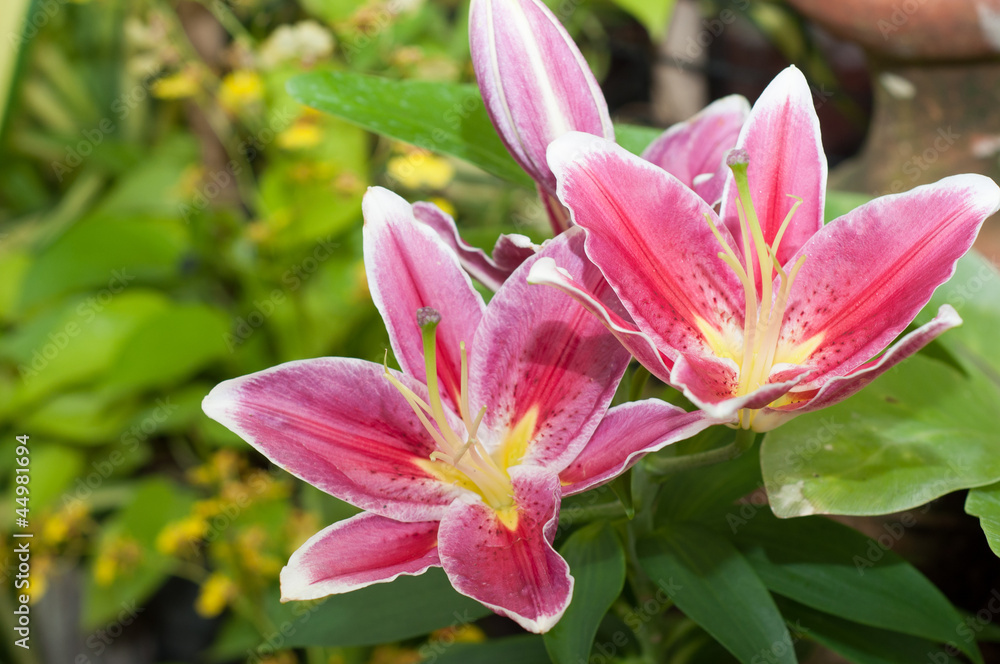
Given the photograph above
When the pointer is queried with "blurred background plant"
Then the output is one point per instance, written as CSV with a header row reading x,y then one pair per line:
x,y
170,217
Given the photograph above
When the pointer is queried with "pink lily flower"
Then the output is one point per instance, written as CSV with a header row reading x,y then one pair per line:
x,y
537,86
460,460
762,313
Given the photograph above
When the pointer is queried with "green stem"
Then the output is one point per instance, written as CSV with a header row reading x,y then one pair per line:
x,y
638,382
668,466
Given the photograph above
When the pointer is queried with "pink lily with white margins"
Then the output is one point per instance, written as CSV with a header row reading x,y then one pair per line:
x,y
762,313
537,86
460,460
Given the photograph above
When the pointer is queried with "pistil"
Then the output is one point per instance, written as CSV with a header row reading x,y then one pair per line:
x,y
764,313
465,454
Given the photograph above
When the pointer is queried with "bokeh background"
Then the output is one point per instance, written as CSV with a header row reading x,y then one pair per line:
x,y
170,218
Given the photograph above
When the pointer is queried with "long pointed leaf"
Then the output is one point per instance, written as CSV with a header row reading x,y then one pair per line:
x,y
714,585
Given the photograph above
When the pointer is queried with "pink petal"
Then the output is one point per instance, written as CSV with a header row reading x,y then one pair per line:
x,y
649,235
709,383
340,425
868,273
356,553
410,267
509,252
534,80
539,352
694,151
515,572
546,272
786,157
840,387
626,434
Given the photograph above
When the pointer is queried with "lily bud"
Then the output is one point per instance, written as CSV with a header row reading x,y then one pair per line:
x,y
534,81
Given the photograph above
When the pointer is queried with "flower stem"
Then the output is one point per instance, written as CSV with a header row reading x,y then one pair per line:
x,y
668,466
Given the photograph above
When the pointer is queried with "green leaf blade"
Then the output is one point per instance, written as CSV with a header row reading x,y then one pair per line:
x,y
442,117
714,585
597,562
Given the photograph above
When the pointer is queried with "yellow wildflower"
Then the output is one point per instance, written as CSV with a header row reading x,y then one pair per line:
x,y
459,634
445,205
120,554
300,136
215,594
394,655
180,85
421,169
183,534
240,90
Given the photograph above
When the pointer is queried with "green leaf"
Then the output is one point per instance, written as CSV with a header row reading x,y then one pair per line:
x,y
409,606
169,347
984,502
918,432
860,644
974,292
835,569
839,203
526,649
700,493
597,561
714,585
653,14
635,138
443,117
108,255
77,342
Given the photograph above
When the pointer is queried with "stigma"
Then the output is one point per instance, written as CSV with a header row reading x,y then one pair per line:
x,y
765,309
459,456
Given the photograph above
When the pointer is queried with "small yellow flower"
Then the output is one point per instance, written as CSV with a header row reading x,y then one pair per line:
x,y
421,169
68,522
118,556
240,90
445,205
459,634
394,655
249,545
181,535
215,594
300,136
180,85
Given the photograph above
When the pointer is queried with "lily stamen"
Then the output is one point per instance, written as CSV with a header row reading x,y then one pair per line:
x,y
764,312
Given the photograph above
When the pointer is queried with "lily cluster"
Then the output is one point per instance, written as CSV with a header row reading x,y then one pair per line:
x,y
706,259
